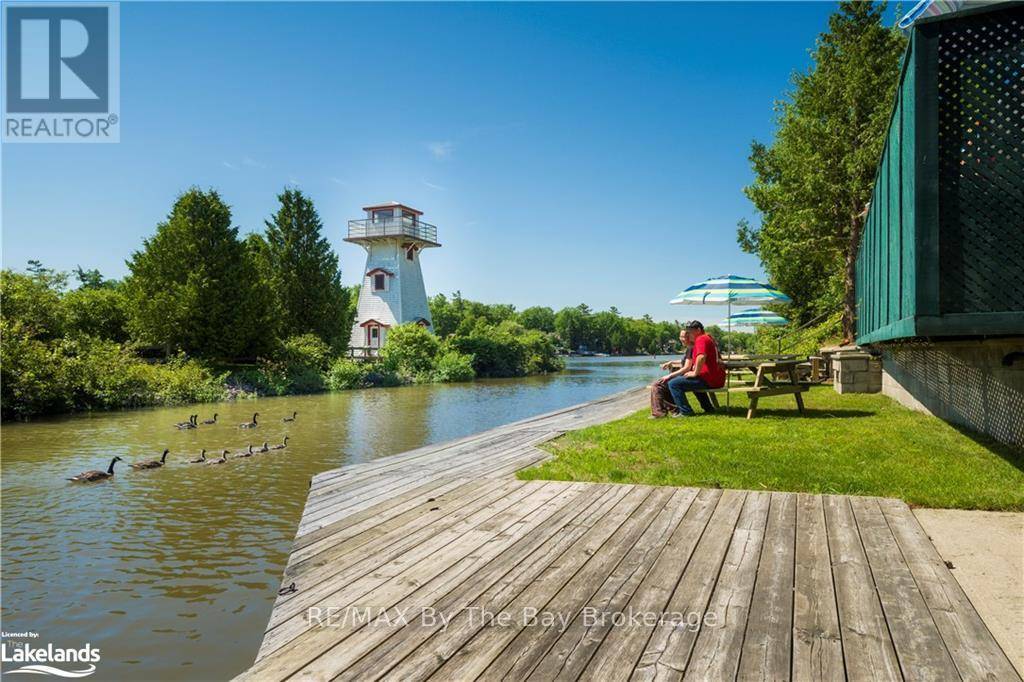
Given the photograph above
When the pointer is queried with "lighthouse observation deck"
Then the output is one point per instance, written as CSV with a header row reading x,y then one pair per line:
x,y
392,226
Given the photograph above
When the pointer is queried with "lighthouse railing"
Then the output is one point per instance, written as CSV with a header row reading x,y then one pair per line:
x,y
392,227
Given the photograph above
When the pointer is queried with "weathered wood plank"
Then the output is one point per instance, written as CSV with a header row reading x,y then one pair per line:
x,y
768,643
399,577
473,658
620,646
817,643
383,541
374,650
524,652
408,514
502,536
716,654
311,543
867,648
290,620
668,651
974,650
312,581
919,647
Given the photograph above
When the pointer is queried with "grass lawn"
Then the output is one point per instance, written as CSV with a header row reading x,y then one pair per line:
x,y
844,444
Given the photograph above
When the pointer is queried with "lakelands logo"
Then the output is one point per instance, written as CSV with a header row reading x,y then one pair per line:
x,y
39,660
61,68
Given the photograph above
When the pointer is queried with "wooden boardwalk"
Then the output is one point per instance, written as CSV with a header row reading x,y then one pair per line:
x,y
437,563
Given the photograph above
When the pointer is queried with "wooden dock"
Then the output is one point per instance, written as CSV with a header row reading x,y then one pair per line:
x,y
437,563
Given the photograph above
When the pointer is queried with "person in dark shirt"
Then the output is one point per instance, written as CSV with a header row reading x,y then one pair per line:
x,y
661,399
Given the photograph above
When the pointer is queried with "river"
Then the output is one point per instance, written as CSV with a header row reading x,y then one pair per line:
x,y
172,572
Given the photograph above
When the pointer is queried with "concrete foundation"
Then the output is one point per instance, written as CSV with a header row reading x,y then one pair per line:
x,y
978,384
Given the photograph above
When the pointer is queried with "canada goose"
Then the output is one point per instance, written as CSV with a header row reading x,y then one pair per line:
x,y
153,463
223,458
200,459
93,475
264,448
211,421
190,424
291,418
252,424
282,446
245,453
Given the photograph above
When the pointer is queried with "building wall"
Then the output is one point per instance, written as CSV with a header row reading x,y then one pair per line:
x,y
414,294
405,299
962,382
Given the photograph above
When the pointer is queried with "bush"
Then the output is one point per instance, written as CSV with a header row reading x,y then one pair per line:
x,y
187,381
87,373
410,350
451,365
32,380
345,374
541,354
307,351
380,375
274,377
101,313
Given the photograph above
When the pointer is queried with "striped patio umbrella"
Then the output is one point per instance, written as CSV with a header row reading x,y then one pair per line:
x,y
726,290
755,317
729,289
930,8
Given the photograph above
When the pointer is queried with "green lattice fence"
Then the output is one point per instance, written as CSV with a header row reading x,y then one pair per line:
x,y
943,246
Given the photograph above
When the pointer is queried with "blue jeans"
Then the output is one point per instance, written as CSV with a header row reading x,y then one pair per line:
x,y
678,386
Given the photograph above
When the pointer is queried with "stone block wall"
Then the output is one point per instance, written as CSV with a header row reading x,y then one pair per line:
x,y
978,384
856,371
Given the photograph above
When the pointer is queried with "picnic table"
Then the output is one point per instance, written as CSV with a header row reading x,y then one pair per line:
x,y
773,375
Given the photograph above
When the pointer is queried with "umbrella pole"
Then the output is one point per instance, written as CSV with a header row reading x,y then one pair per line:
x,y
728,325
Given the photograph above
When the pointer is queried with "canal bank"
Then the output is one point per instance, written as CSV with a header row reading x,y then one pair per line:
x,y
174,571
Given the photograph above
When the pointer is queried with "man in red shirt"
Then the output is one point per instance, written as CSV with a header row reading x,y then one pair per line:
x,y
706,372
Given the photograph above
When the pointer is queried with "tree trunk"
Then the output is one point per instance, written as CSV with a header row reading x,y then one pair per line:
x,y
850,279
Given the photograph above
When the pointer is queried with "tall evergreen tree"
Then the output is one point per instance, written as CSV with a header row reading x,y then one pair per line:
x,y
812,183
194,288
303,272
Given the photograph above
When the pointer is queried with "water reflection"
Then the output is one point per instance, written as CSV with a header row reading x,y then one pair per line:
x,y
171,572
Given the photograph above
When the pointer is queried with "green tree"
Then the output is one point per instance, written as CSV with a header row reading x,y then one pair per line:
x,y
193,286
445,317
93,279
97,311
302,271
33,301
813,181
573,326
538,317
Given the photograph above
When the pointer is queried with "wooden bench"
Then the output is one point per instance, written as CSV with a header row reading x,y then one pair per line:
x,y
711,392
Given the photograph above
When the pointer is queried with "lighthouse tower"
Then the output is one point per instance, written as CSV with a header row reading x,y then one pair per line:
x,y
392,291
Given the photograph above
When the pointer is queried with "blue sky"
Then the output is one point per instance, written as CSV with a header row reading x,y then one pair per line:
x,y
567,152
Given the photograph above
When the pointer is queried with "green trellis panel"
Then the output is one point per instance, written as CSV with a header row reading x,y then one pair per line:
x,y
942,251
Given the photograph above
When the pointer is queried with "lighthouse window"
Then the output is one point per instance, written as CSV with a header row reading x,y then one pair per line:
x,y
410,253
380,282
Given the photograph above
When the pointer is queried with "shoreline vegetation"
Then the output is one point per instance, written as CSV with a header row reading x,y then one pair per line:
x,y
206,316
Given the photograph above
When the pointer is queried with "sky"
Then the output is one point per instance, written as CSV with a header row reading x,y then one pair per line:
x,y
568,153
